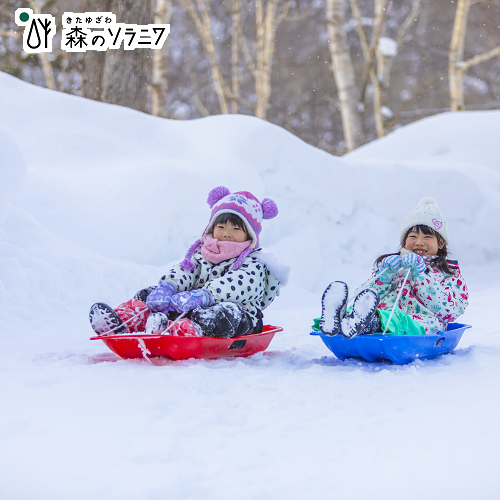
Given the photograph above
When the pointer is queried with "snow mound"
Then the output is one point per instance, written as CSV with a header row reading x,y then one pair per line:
x,y
112,197
12,172
465,138
121,185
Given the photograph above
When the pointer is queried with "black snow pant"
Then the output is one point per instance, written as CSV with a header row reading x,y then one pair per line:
x,y
224,320
374,325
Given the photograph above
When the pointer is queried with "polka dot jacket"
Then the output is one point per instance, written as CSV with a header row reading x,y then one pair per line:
x,y
433,298
252,286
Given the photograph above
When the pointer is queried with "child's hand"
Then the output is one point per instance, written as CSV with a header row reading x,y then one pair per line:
x,y
159,299
414,262
392,261
388,268
186,301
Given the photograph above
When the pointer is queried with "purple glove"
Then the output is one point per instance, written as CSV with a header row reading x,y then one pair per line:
x,y
413,262
159,299
186,301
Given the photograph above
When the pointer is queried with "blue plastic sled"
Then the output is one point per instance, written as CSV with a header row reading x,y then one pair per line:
x,y
400,349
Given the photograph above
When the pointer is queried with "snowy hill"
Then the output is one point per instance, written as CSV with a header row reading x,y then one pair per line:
x,y
96,201
115,182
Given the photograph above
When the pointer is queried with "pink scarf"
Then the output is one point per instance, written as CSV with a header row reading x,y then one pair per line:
x,y
216,251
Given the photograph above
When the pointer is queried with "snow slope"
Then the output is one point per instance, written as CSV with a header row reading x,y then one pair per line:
x,y
96,201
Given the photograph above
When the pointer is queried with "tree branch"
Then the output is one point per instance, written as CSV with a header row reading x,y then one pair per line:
x,y
464,66
204,29
379,22
13,34
246,52
409,22
359,28
394,120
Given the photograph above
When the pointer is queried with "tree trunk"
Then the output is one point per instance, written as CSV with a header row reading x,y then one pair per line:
x,y
159,86
204,28
456,56
235,21
46,66
259,51
379,20
343,73
385,53
266,25
377,105
127,73
94,61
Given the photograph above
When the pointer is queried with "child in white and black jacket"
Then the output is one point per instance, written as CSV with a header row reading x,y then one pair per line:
x,y
221,286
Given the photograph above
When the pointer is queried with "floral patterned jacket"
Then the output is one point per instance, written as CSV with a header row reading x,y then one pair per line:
x,y
433,298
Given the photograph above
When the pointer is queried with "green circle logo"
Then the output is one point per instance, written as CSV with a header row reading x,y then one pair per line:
x,y
24,16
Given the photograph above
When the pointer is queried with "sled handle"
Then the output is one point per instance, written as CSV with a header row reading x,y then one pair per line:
x,y
238,344
439,342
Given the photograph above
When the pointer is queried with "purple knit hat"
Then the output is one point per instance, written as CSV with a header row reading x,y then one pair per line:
x,y
243,204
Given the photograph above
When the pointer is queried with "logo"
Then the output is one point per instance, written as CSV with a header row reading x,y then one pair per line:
x,y
437,224
87,31
39,29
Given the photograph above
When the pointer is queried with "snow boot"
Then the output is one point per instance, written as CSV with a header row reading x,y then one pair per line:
x,y
156,323
142,295
105,321
333,304
361,315
374,326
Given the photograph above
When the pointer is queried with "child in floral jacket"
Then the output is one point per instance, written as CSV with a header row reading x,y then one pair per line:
x,y
430,288
220,288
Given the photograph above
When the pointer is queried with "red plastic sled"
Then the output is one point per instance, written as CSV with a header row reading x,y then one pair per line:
x,y
168,346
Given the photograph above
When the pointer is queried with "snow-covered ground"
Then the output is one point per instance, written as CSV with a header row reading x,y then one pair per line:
x,y
96,201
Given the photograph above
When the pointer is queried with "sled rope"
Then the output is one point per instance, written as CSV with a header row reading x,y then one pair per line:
x,y
351,300
124,322
145,351
142,312
397,301
174,322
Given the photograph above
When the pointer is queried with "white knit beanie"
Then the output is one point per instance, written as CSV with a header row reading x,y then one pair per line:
x,y
428,213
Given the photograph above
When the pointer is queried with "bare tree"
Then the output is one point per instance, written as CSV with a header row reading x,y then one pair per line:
x,y
343,72
199,12
37,6
406,67
269,14
267,20
379,54
159,84
236,29
94,61
119,76
456,64
127,73
386,50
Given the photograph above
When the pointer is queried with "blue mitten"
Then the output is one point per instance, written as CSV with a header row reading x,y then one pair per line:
x,y
186,301
415,263
159,299
388,268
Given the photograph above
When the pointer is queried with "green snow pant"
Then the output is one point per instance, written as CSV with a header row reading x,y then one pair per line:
x,y
401,323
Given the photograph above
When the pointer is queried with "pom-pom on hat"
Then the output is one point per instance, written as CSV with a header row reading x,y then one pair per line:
x,y
243,204
428,213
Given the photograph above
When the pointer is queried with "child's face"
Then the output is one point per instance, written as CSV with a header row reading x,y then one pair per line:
x,y
229,232
422,244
